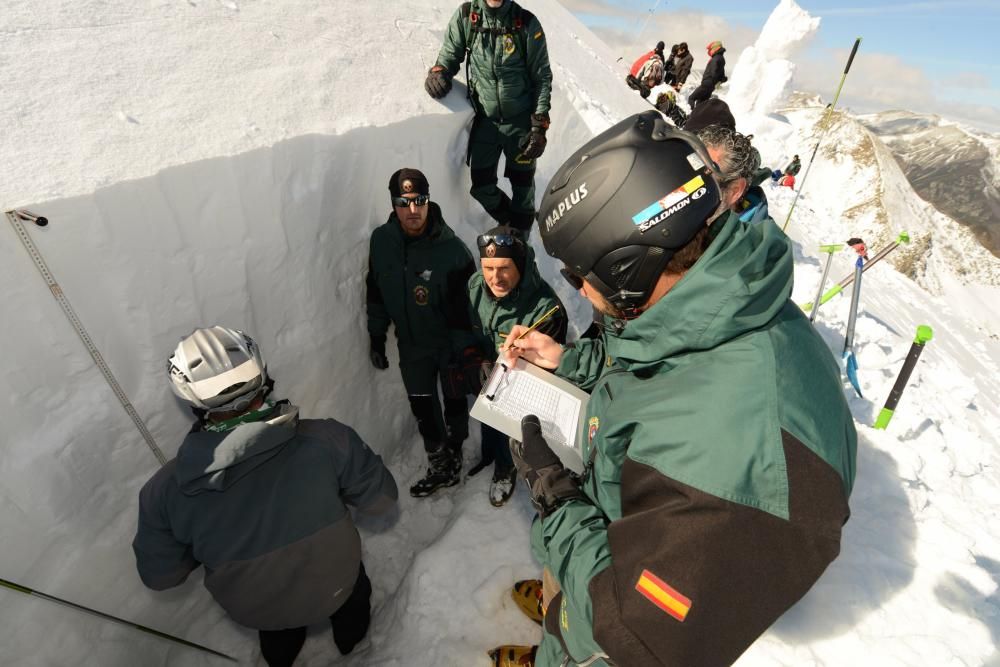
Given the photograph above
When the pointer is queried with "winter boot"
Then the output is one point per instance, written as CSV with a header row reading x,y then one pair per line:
x,y
441,472
527,593
502,486
509,655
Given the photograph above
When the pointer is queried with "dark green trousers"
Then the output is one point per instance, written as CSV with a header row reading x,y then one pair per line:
x,y
489,140
421,370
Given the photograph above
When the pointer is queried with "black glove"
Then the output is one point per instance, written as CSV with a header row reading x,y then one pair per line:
x,y
533,144
438,83
549,483
377,353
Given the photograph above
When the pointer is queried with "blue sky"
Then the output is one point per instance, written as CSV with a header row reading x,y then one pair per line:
x,y
954,44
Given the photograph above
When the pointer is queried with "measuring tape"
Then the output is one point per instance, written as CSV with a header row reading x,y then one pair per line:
x,y
60,297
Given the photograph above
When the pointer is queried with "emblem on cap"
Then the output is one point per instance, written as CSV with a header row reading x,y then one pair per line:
x,y
407,185
491,250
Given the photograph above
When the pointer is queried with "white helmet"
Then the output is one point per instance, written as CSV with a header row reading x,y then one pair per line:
x,y
218,369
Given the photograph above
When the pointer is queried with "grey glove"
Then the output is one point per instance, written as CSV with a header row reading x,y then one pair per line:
x,y
438,83
549,483
377,353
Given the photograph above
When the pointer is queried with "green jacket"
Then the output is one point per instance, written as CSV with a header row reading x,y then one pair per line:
x,y
720,455
419,286
509,75
532,298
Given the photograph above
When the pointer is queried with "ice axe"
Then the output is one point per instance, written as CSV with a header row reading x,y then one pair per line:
x,y
924,334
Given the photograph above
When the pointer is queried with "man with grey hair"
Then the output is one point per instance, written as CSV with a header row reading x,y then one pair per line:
x,y
739,161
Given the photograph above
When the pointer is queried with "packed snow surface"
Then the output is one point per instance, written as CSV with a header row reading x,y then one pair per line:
x,y
224,161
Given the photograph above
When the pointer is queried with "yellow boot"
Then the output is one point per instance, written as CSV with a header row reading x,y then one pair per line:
x,y
509,655
527,593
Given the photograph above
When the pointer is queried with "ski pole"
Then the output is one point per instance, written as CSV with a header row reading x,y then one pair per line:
x,y
645,23
100,614
829,250
924,334
848,279
826,128
850,362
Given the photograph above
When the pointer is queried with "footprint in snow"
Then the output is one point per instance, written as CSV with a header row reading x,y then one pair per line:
x,y
127,118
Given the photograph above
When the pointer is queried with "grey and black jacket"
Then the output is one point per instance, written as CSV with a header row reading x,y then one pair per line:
x,y
264,508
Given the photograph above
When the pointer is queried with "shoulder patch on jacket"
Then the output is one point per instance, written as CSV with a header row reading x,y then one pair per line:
x,y
538,35
663,595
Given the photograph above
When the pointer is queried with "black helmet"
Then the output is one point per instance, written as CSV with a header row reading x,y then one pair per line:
x,y
623,204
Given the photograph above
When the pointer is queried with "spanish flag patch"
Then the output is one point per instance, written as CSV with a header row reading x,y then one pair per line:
x,y
663,596
538,34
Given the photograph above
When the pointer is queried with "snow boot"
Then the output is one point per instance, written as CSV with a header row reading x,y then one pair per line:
x,y
502,486
509,655
442,472
527,593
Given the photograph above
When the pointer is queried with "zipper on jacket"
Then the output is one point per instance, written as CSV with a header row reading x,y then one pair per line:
x,y
588,468
406,296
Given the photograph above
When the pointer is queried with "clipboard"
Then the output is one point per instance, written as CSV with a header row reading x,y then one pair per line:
x,y
510,393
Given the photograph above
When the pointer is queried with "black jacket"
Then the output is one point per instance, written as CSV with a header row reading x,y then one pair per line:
x,y
715,70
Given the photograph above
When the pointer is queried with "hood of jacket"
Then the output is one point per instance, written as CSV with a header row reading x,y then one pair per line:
x,y
739,285
208,461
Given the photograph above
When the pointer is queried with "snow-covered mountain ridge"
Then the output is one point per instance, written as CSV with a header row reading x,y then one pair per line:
x,y
954,168
857,176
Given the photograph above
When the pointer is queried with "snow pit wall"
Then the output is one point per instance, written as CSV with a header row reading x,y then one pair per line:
x,y
273,241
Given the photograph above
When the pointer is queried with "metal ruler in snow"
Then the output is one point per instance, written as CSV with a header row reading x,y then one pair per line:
x,y
16,218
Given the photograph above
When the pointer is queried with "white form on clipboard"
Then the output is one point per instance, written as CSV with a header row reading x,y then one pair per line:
x,y
525,389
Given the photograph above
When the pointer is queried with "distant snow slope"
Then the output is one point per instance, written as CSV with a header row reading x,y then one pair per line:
x,y
225,162
955,169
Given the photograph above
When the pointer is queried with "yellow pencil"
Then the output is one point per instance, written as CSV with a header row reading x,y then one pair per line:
x,y
536,324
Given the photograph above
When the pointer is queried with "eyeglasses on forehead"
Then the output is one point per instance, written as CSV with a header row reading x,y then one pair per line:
x,y
404,202
503,239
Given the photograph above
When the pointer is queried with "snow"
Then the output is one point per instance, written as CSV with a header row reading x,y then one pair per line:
x,y
209,162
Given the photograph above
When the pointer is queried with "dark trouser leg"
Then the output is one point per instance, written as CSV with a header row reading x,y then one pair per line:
x,y
700,94
280,647
497,448
350,622
420,376
521,175
484,157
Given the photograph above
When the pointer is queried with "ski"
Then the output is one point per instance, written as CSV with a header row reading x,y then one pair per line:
x,y
924,334
848,279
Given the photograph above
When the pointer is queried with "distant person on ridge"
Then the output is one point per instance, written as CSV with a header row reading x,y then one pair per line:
x,y
794,166
715,74
668,64
259,497
505,292
647,71
510,84
417,275
681,67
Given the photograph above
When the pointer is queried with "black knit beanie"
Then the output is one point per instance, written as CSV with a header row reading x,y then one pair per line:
x,y
407,180
517,252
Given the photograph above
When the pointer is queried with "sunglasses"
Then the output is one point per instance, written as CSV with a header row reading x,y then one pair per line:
x,y
500,240
404,202
573,279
